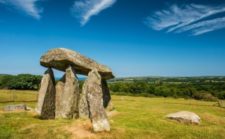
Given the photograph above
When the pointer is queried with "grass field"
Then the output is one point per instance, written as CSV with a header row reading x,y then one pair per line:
x,y
134,117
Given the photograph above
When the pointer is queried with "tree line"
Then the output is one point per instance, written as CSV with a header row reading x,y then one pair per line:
x,y
197,90
20,82
204,88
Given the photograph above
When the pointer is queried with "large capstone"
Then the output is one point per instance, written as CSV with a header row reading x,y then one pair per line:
x,y
70,95
61,58
95,102
46,96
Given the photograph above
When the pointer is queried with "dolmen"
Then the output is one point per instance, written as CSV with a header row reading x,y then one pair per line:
x,y
62,99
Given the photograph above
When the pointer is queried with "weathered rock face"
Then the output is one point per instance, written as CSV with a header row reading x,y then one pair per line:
x,y
46,96
70,96
106,93
95,102
61,58
185,117
83,104
59,92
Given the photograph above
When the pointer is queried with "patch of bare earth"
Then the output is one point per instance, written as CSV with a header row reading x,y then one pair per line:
x,y
81,129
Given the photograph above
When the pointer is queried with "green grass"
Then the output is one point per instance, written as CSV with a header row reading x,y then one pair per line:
x,y
221,103
136,118
17,95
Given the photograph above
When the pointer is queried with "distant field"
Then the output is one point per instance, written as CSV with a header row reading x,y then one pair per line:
x,y
18,96
133,118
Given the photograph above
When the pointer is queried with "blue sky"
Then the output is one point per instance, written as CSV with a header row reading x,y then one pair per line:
x,y
132,37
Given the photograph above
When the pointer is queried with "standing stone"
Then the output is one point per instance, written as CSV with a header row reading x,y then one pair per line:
x,y
46,96
70,95
95,102
59,92
106,93
83,104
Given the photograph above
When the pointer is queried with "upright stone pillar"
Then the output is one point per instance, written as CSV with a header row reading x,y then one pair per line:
x,y
70,95
59,92
106,93
83,104
95,102
46,96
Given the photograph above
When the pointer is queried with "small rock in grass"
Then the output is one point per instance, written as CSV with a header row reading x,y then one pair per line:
x,y
17,107
185,117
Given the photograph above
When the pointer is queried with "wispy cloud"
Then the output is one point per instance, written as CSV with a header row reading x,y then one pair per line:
x,y
204,26
85,9
27,6
198,19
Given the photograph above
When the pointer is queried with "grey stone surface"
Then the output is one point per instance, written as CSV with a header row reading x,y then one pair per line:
x,y
70,96
95,102
83,104
46,96
185,117
59,92
106,93
61,58
17,107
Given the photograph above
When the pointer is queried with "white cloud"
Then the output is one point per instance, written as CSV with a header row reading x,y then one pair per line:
x,y
191,17
27,6
207,26
85,9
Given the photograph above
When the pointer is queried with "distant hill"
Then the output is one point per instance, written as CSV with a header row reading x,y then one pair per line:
x,y
172,79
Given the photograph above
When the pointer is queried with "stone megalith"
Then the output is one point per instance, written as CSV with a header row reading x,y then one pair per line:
x,y
59,92
83,104
46,96
63,100
70,96
61,58
106,93
95,102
